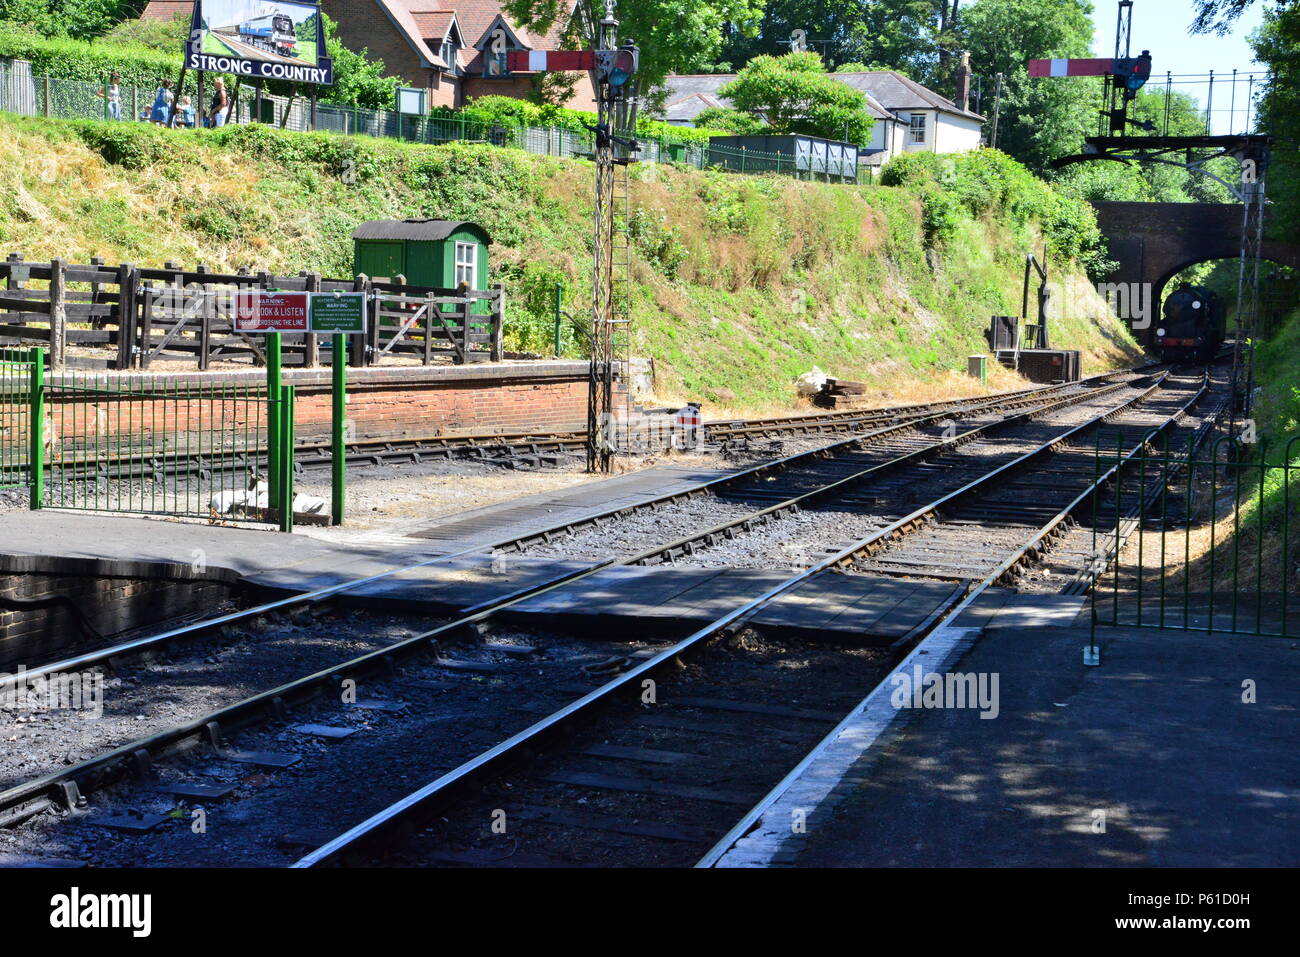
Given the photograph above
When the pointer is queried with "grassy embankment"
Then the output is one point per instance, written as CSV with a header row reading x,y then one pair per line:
x,y
741,283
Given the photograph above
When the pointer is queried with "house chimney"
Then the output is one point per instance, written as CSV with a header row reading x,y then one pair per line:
x,y
963,81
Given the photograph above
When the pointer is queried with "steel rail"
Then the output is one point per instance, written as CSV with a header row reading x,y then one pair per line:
x,y
64,785
833,421
194,629
752,817
476,769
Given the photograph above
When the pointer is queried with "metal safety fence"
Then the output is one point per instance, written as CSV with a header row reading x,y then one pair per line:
x,y
179,446
1199,539
20,409
23,92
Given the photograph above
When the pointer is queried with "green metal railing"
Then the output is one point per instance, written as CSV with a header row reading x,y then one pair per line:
x,y
22,92
1198,540
161,445
153,444
21,417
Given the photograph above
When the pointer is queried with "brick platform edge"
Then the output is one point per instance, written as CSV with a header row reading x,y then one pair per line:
x,y
46,603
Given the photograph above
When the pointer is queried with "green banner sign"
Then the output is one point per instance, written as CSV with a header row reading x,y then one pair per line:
x,y
338,312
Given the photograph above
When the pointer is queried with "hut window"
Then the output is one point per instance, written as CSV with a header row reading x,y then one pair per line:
x,y
467,264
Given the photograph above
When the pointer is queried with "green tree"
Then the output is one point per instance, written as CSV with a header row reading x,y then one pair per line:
x,y
892,34
1044,118
1277,43
727,120
79,19
357,78
796,95
675,36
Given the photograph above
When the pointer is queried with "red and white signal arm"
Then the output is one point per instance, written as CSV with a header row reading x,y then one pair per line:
x,y
1066,67
615,67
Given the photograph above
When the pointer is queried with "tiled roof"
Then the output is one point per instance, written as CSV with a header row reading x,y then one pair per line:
x,y
166,9
887,92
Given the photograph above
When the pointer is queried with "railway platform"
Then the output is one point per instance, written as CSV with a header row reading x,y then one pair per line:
x,y
1152,759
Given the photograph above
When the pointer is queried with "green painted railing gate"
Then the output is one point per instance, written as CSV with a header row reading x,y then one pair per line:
x,y
163,445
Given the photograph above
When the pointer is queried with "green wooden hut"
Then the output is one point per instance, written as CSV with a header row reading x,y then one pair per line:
x,y
429,252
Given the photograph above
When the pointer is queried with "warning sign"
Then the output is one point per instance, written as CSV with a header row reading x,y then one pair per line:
x,y
271,312
338,312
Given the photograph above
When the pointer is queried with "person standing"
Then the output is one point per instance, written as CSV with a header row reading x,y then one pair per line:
x,y
160,115
112,91
220,103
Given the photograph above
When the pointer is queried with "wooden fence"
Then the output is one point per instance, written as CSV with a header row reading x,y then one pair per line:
x,y
125,316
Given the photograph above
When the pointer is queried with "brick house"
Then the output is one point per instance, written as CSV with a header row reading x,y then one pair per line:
x,y
455,49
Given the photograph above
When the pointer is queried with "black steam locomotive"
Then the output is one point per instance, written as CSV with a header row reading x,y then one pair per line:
x,y
273,33
1191,326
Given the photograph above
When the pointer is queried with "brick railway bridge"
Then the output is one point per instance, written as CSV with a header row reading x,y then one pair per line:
x,y
1153,242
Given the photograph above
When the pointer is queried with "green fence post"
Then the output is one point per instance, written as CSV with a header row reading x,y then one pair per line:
x,y
339,465
287,396
36,431
274,416
559,315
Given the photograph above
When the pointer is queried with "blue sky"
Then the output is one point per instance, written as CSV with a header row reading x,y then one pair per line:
x,y
1161,26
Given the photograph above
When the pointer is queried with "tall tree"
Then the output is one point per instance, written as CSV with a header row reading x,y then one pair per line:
x,y
795,95
1277,43
1044,118
675,36
884,34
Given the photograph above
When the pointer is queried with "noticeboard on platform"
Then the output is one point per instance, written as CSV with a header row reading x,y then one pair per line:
x,y
325,312
260,39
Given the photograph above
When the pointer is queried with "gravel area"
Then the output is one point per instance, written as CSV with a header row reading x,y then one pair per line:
x,y
144,697
799,540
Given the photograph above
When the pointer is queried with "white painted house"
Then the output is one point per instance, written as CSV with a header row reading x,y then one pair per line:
x,y
909,117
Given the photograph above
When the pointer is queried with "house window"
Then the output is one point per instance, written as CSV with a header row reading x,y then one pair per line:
x,y
467,264
448,54
917,128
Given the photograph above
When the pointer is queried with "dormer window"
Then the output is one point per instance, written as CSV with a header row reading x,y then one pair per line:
x,y
496,43
448,52
494,53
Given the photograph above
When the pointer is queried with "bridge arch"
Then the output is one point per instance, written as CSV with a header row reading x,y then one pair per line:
x,y
1153,242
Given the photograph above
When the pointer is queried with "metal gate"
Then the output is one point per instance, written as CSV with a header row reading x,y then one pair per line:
x,y
156,445
20,394
1199,539
183,446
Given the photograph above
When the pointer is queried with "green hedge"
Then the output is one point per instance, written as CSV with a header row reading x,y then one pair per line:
x,y
509,111
78,60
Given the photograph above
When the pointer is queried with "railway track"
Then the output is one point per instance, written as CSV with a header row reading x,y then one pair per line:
x,y
509,450
807,471
564,783
802,480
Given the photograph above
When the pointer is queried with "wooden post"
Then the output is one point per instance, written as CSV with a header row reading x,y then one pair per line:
x,y
47,94
200,106
465,306
58,314
358,343
428,333
176,99
311,345
288,107
498,321
127,280
146,326
205,322
313,110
